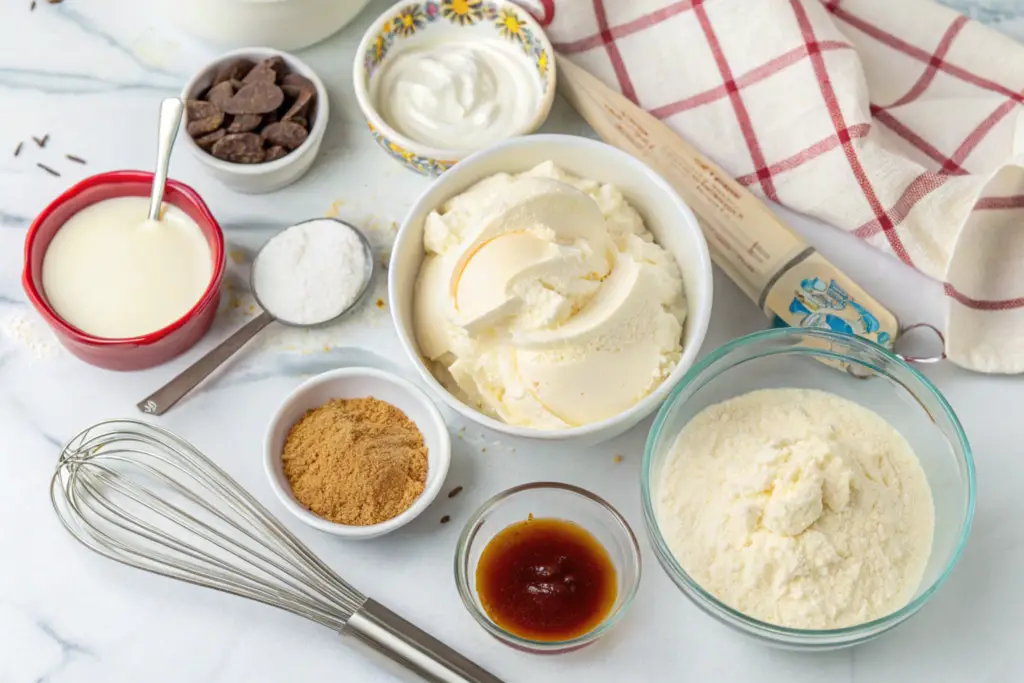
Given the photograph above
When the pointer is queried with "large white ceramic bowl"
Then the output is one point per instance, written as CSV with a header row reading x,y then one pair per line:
x,y
664,212
281,24
358,383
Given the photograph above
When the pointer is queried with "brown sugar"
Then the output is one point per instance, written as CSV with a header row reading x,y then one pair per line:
x,y
355,461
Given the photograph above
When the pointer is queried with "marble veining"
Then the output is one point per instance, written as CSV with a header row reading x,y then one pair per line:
x,y
90,73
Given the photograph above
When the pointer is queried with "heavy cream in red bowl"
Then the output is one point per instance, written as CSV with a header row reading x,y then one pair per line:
x,y
121,291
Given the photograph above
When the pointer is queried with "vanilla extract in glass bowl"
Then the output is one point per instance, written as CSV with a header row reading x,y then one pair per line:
x,y
547,567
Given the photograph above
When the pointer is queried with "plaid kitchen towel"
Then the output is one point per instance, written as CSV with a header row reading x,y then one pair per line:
x,y
898,120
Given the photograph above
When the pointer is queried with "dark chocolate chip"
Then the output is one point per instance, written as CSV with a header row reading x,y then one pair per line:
x,y
198,109
285,133
243,123
239,148
203,117
302,91
203,126
206,141
272,117
270,69
275,153
260,97
236,69
293,84
301,120
48,169
220,94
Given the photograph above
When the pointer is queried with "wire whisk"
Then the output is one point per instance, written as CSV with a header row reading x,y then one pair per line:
x,y
140,495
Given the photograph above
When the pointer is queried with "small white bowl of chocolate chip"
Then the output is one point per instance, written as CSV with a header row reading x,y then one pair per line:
x,y
255,118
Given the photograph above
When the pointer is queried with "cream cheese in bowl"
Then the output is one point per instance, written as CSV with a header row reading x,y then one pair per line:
x,y
458,94
111,273
544,300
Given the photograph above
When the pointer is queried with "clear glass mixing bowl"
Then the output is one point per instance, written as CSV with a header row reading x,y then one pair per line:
x,y
858,371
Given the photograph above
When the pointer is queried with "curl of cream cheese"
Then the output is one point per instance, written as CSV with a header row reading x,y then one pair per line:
x,y
462,95
545,302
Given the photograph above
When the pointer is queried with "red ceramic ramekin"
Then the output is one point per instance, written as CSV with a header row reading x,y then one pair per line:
x,y
133,353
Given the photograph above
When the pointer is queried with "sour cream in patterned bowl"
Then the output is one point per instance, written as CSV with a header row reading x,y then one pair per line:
x,y
440,79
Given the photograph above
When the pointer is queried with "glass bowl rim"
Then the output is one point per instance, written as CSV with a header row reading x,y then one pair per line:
x,y
669,561
469,532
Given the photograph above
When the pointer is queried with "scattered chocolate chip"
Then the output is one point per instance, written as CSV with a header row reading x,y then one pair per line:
x,y
41,141
275,153
239,148
301,90
285,133
17,150
220,94
32,7
269,70
259,97
48,169
206,141
77,160
446,519
455,491
235,70
243,123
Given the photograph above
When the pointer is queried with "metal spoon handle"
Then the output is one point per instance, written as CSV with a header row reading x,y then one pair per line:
x,y
161,400
170,119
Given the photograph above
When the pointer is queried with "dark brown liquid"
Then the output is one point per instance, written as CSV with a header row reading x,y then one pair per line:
x,y
546,580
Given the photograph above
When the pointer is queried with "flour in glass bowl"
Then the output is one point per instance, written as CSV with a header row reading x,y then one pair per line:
x,y
798,508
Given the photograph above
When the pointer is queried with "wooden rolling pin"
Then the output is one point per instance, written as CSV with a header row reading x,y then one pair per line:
x,y
774,266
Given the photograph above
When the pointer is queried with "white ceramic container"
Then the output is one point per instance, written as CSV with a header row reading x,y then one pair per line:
x,y
280,24
272,175
666,215
412,24
358,383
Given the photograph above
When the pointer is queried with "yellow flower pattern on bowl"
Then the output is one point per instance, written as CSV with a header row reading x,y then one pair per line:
x,y
423,165
414,18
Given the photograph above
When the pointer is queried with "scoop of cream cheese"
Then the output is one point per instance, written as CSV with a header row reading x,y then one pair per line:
x,y
544,301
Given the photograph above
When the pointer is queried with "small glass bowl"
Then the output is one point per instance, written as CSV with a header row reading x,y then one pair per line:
x,y
858,371
548,500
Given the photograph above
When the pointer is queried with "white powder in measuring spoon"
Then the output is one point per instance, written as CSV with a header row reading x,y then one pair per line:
x,y
311,272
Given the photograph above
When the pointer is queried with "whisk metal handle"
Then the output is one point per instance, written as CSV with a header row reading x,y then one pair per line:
x,y
388,634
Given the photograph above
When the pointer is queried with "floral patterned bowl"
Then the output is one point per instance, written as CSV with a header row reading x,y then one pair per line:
x,y
413,22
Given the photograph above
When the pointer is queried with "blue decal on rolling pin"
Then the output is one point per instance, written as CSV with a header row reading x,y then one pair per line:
x,y
829,307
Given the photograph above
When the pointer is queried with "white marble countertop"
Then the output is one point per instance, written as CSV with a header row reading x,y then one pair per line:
x,y
90,74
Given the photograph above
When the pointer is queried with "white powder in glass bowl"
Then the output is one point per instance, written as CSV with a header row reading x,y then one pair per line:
x,y
798,508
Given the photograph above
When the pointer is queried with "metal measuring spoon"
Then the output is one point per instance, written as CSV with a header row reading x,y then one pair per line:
x,y
170,120
160,401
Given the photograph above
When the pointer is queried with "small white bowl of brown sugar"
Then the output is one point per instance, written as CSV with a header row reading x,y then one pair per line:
x,y
357,452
